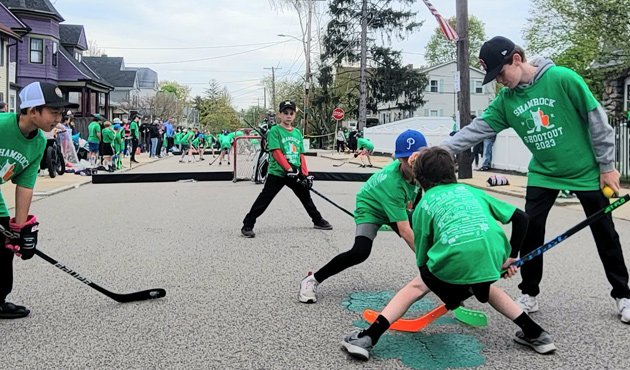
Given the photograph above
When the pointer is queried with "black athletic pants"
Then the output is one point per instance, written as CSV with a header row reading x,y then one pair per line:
x,y
273,185
134,147
170,141
538,203
6,264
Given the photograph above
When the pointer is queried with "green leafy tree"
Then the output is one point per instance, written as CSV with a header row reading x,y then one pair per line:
x,y
440,50
388,79
576,33
215,109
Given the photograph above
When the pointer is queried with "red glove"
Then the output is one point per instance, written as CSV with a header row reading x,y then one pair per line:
x,y
25,242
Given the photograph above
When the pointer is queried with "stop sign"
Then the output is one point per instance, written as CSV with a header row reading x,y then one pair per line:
x,y
338,114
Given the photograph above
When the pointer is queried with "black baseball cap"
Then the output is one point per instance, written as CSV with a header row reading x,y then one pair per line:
x,y
494,54
287,104
45,94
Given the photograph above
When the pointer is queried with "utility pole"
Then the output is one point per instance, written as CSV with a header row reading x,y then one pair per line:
x,y
265,98
463,65
307,56
273,87
362,69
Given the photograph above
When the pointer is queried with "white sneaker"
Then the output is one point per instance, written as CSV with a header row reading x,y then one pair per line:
x,y
308,289
623,305
528,303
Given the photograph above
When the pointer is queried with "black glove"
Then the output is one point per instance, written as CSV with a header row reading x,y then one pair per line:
x,y
26,242
307,182
293,175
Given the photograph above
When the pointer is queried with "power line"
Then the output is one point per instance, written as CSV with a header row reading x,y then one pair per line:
x,y
212,58
186,47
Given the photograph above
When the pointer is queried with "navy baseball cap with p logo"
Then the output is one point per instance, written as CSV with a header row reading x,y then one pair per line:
x,y
494,54
408,143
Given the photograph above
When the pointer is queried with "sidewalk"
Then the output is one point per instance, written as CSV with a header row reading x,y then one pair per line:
x,y
517,187
46,186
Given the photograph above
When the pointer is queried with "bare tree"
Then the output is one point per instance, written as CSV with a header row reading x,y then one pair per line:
x,y
93,49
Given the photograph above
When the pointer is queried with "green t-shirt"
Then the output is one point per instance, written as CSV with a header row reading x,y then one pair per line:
x,y
384,197
19,157
195,142
550,117
225,141
178,138
457,236
135,130
239,133
108,135
187,137
365,143
94,128
290,143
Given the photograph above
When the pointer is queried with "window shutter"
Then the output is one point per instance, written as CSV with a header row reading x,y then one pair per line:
x,y
441,86
426,112
441,112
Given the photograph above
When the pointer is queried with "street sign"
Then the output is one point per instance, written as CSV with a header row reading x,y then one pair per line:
x,y
338,114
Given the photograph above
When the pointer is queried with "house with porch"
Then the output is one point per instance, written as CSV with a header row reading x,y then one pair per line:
x,y
8,92
126,93
52,53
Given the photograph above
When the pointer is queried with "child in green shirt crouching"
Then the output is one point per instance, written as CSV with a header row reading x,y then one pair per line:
x,y
460,251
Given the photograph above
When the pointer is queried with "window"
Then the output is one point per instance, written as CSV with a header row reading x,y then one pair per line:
x,y
12,103
477,87
37,51
75,97
434,113
2,53
92,104
433,86
78,56
55,52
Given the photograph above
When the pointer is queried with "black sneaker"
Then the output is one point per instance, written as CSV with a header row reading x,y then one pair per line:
x,y
543,344
248,232
9,310
322,225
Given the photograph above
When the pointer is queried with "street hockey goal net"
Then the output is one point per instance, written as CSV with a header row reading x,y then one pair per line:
x,y
246,155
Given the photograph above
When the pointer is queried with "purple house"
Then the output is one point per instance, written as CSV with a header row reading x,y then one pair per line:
x,y
52,52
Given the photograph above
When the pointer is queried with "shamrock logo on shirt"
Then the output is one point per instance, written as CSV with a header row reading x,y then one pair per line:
x,y
6,172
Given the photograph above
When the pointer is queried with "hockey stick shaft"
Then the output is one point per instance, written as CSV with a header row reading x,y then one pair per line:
x,y
587,222
409,325
122,298
333,203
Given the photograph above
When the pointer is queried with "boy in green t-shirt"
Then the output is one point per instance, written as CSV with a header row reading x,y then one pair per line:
x,y
365,148
225,142
22,146
186,142
94,140
573,148
460,251
107,149
287,166
135,137
383,200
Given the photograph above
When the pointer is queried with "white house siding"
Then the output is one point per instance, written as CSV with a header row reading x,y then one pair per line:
x,y
443,102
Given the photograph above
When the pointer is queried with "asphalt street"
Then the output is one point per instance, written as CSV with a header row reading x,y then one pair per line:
x,y
232,302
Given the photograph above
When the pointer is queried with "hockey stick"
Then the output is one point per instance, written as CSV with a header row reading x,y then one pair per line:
x,y
555,241
333,203
465,315
122,298
342,163
214,160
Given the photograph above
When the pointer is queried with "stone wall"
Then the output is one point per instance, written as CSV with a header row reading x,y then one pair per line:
x,y
612,99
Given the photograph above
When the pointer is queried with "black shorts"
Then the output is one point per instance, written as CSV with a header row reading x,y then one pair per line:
x,y
106,149
454,294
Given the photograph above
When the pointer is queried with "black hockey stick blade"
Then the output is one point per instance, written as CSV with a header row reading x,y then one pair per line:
x,y
122,298
340,164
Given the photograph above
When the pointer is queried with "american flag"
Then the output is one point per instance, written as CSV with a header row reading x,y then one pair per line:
x,y
446,28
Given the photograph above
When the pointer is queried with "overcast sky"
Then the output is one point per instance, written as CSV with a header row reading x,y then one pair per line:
x,y
233,41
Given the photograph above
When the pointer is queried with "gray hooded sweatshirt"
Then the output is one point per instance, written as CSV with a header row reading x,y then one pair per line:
x,y
602,136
